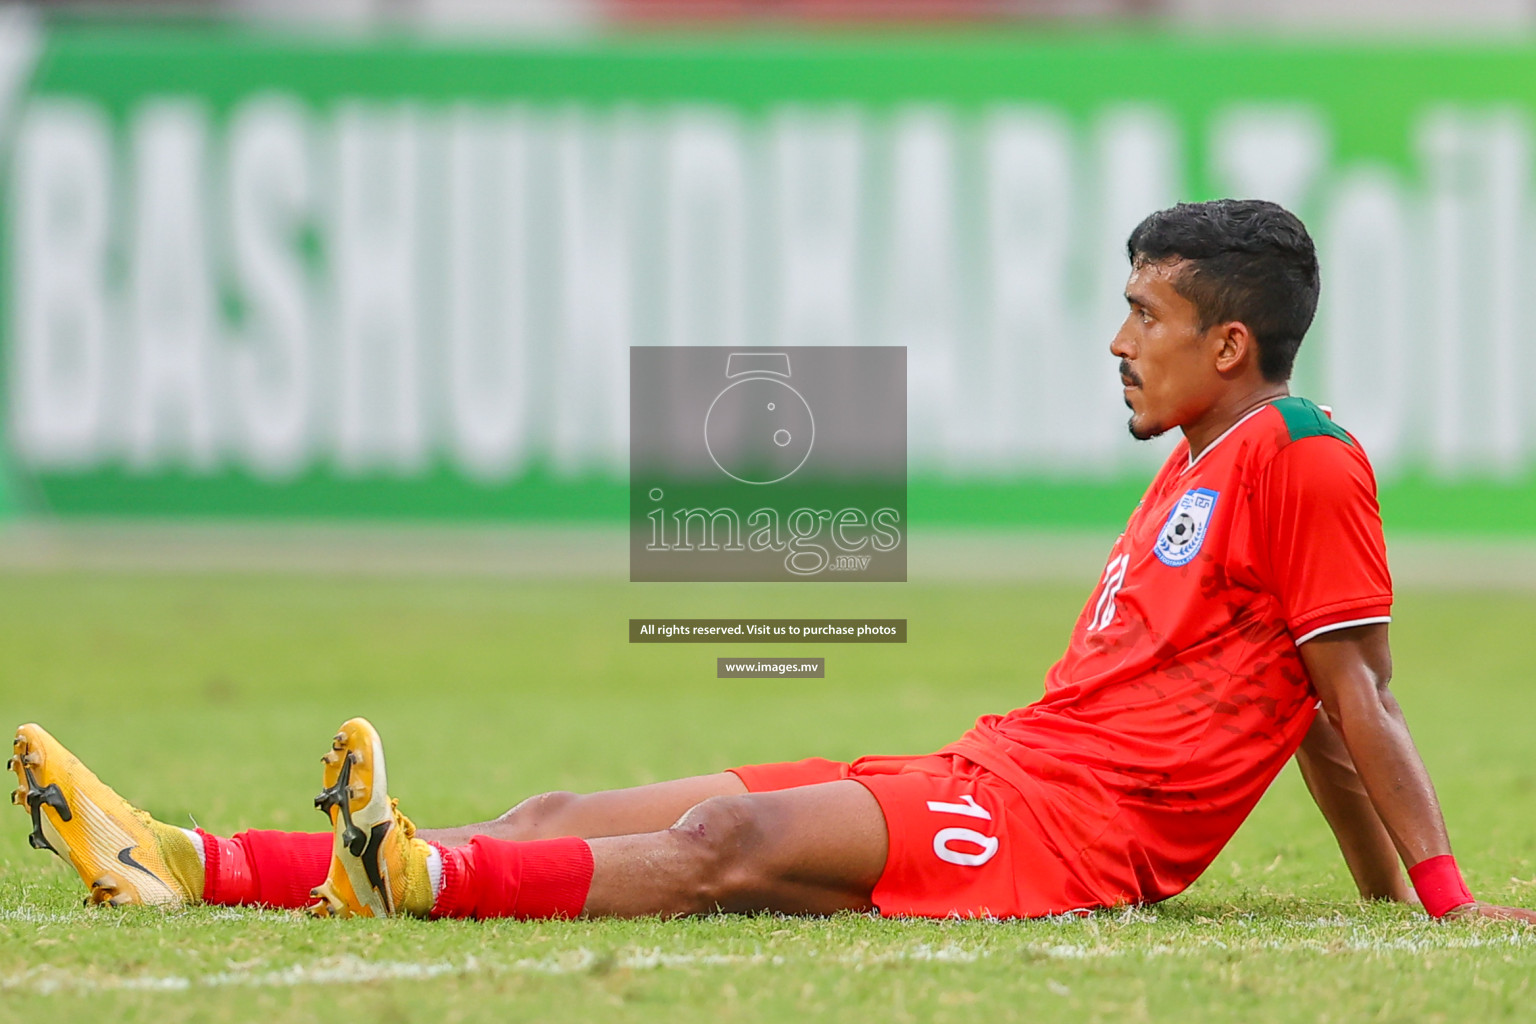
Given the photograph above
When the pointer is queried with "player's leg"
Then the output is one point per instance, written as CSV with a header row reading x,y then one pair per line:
x,y
809,850
78,817
124,855
614,812
639,809
812,849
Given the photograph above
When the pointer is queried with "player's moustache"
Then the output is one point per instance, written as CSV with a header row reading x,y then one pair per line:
x,y
1128,375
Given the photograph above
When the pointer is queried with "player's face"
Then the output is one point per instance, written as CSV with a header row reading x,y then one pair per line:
x,y
1165,358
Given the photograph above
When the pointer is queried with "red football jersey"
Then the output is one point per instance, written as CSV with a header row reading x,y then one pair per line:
x,y
1182,693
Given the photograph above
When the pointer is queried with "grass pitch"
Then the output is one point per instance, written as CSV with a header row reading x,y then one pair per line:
x,y
212,697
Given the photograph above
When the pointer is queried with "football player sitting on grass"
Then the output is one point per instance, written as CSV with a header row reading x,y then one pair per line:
x,y
1240,619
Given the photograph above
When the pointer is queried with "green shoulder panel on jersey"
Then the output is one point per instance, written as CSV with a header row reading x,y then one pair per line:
x,y
1303,419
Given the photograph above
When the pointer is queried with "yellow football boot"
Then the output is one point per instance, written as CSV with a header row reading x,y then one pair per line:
x,y
378,866
121,853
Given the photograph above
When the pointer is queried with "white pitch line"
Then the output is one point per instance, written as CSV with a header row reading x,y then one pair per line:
x,y
48,980
27,915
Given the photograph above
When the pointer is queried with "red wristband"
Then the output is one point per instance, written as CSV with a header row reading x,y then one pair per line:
x,y
1439,884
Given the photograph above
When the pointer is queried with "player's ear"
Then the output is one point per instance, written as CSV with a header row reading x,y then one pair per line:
x,y
1235,346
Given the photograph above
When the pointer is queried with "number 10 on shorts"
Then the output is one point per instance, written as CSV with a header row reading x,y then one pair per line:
x,y
952,844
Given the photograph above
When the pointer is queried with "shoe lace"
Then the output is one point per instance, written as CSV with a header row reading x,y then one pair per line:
x,y
404,824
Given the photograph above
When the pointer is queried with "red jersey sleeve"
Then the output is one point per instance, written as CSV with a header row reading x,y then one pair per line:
x,y
1327,555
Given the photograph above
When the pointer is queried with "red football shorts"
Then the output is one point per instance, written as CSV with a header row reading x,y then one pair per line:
x,y
962,841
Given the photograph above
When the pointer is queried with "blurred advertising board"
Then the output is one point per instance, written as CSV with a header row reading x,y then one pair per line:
x,y
263,274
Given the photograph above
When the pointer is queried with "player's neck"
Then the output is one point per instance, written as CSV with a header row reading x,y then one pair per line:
x,y
1227,410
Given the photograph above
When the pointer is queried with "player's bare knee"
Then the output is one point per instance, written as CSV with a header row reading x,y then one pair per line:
x,y
542,816
725,837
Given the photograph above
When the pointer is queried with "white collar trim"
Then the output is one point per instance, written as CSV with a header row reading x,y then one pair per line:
x,y
1223,435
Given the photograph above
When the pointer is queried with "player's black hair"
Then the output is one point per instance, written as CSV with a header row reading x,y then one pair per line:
x,y
1247,260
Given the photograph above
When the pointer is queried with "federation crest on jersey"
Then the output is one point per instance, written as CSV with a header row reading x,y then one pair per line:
x,y
1184,531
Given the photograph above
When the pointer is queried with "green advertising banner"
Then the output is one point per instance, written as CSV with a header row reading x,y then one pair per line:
x,y
252,274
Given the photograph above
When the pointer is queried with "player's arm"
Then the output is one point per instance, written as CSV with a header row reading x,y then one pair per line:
x,y
1350,669
1333,782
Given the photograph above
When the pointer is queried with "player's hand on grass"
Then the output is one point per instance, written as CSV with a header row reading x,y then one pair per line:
x,y
1494,912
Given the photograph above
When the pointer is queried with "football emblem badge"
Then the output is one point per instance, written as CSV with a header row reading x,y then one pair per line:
x,y
1184,531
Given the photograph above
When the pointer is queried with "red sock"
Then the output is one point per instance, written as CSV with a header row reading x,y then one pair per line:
x,y
496,878
267,869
